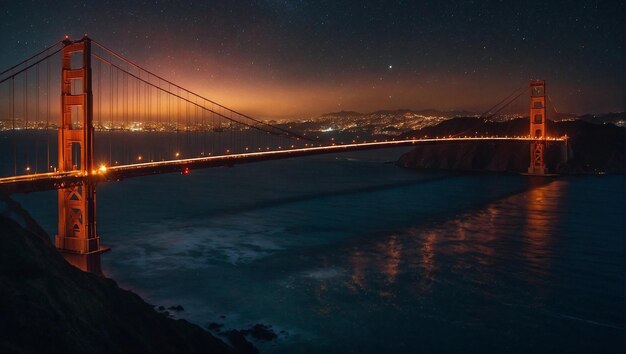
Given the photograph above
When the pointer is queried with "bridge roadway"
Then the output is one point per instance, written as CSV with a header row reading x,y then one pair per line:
x,y
57,180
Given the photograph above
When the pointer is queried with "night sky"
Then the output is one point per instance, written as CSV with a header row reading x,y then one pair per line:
x,y
301,58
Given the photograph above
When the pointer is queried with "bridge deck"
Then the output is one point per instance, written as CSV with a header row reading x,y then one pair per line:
x,y
57,180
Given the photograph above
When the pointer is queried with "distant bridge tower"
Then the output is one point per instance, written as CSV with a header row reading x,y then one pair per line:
x,y
77,238
537,127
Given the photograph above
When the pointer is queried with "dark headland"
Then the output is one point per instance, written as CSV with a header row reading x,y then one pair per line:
x,y
48,306
591,149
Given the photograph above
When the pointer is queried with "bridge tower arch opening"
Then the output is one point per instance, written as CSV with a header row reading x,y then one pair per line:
x,y
537,127
77,238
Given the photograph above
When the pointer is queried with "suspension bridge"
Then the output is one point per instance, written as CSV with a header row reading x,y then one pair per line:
x,y
105,95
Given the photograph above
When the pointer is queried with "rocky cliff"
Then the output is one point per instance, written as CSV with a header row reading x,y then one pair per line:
x,y
48,306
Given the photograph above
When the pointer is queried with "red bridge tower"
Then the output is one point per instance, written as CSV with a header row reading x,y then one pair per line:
x,y
537,127
77,238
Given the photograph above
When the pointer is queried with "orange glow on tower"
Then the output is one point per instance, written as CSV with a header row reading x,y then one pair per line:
x,y
537,127
77,238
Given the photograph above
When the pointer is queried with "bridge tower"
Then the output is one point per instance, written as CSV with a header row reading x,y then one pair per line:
x,y
77,238
537,127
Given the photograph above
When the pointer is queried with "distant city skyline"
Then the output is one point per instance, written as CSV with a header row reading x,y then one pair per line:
x,y
276,59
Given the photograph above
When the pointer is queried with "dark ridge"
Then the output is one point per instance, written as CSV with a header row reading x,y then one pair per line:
x,y
604,118
343,114
398,112
427,112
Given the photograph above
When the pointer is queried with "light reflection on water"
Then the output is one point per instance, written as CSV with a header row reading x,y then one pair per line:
x,y
500,258
479,237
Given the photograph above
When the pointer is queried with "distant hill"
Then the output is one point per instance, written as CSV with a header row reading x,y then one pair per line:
x,y
617,118
386,124
614,118
398,112
342,114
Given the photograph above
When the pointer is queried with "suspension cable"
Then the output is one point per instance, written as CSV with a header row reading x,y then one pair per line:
x,y
484,114
553,106
506,105
289,134
30,66
110,51
30,58
48,113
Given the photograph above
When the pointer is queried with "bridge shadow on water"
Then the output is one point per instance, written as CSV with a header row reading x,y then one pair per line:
x,y
276,202
431,177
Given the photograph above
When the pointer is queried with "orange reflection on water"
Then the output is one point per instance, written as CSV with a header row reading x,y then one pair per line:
x,y
484,245
538,227
391,263
428,253
358,263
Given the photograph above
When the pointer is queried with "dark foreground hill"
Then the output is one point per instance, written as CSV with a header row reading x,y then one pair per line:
x,y
591,148
48,306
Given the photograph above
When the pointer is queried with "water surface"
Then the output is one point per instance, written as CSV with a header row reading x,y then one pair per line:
x,y
347,254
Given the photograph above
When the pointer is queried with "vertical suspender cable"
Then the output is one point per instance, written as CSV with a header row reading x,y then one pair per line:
x,y
25,99
13,125
37,116
25,112
99,95
48,112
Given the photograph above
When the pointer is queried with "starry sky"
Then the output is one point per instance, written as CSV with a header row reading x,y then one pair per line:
x,y
277,59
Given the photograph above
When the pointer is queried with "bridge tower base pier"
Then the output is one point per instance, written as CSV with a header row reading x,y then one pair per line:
x,y
89,262
77,239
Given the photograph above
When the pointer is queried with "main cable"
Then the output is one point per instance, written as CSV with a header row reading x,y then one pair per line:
x,y
191,102
30,58
110,51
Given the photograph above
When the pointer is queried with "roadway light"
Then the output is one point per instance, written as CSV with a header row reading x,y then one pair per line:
x,y
102,168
